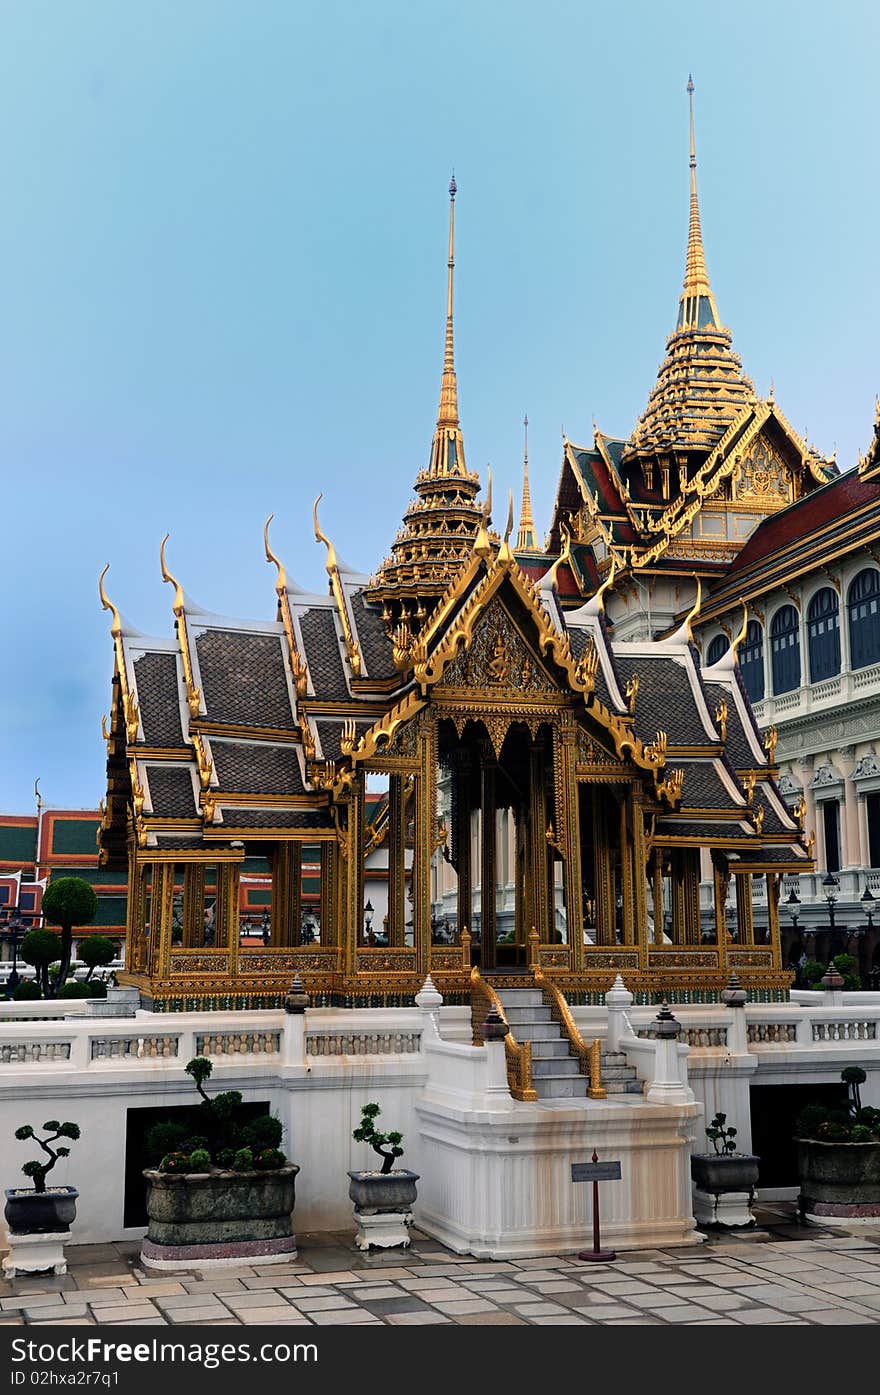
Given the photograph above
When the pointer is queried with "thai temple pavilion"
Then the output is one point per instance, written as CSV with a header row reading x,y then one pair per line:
x,y
405,718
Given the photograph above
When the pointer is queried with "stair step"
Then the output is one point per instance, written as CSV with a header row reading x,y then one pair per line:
x,y
613,1058
549,1087
618,1073
622,1087
521,997
555,1066
543,1050
536,1031
527,1014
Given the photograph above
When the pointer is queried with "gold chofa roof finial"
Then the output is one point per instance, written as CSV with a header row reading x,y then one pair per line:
x,y
116,626
697,307
281,583
447,453
526,537
179,604
694,611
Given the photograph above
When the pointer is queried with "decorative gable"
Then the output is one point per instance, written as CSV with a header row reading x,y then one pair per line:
x,y
498,659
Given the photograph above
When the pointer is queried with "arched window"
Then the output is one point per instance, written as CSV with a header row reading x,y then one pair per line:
x,y
751,661
823,635
785,650
864,619
717,649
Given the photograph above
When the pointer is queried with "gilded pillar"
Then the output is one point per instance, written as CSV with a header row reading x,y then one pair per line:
x,y
744,916
679,922
163,903
326,894
626,876
396,860
352,922
194,905
488,850
774,887
570,840
541,918
640,883
657,889
425,797
462,841
691,895
605,907
286,894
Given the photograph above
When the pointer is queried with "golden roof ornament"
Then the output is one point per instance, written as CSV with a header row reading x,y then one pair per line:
x,y
526,538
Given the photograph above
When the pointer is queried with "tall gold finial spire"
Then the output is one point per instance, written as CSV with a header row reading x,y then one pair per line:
x,y
526,540
694,312
447,454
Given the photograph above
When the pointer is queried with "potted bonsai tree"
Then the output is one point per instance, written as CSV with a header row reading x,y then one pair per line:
x,y
382,1198
839,1157
221,1190
40,1218
724,1180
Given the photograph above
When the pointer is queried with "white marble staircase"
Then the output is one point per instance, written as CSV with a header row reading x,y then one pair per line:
x,y
555,1072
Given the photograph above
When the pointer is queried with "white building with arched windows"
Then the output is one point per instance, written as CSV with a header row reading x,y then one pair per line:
x,y
809,578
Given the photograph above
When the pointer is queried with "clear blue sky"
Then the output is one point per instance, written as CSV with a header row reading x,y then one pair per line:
x,y
222,279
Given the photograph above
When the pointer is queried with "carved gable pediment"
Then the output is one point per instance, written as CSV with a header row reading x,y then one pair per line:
x,y
498,661
763,478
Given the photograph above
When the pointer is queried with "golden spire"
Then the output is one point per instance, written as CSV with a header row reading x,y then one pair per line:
x,y
696,276
447,454
526,536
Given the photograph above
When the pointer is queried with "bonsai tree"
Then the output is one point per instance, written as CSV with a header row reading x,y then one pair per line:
x,y
39,1170
853,1077
723,1139
96,952
387,1145
41,948
857,1123
68,902
214,1135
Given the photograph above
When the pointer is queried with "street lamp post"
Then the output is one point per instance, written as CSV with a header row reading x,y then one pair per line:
x,y
15,928
868,902
368,920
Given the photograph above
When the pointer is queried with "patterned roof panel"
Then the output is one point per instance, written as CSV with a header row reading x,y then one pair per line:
x,y
244,681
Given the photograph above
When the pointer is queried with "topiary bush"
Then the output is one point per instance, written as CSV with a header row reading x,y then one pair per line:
x,y
387,1145
40,948
68,902
74,989
27,991
39,1170
96,952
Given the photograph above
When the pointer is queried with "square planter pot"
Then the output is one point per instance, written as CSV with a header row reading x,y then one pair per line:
x,y
724,1188
219,1218
39,1223
382,1207
838,1179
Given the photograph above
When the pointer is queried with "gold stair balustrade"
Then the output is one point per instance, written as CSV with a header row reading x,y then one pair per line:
x,y
588,1054
518,1054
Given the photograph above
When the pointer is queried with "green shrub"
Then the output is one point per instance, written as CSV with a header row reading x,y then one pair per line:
x,y
263,1132
859,1134
95,952
41,948
216,1129
74,989
200,1160
164,1138
269,1159
175,1162
243,1160
68,902
27,991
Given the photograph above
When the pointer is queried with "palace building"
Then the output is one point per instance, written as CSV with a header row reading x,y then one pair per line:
x,y
468,717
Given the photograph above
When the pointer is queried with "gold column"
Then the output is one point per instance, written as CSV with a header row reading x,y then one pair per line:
x,y
720,883
604,881
774,887
488,874
193,905
325,909
626,875
691,896
679,921
541,905
396,860
657,888
463,841
425,797
286,894
571,867
163,903
640,879
744,915
294,926
353,874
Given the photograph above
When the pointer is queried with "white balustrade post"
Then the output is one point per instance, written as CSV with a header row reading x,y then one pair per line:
x,y
429,1001
734,996
618,1001
495,1030
668,1087
293,1036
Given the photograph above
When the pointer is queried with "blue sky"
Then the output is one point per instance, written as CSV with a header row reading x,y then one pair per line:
x,y
222,279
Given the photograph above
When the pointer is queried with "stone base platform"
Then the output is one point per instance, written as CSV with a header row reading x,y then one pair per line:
x,y
225,1255
383,1229
36,1254
729,1210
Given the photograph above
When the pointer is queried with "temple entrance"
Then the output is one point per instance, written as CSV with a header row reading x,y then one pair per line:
x,y
495,872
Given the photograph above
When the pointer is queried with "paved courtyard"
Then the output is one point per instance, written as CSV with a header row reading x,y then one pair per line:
x,y
785,1273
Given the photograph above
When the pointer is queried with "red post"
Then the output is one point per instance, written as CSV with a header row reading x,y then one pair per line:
x,y
596,1253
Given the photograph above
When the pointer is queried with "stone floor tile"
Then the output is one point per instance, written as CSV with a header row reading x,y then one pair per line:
x,y
560,1286
560,1320
762,1317
444,1295
205,1313
534,1276
498,1319
725,1302
429,1318
684,1312
509,1294
217,1285
839,1317
851,1288
623,1288
466,1305
402,1303
602,1312
29,1300
536,1310
370,1294
374,1272
81,1320
345,1317
652,1302
56,1312
319,1305
241,1301
252,1317
182,1300
632,1322
338,1276
127,1312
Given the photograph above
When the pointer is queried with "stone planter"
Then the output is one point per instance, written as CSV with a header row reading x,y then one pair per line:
x,y
39,1224
34,1213
838,1179
382,1206
219,1218
724,1188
